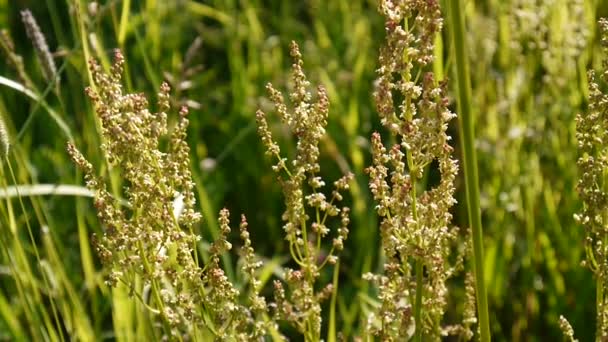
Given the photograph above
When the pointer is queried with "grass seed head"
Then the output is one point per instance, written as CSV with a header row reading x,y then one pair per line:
x,y
45,57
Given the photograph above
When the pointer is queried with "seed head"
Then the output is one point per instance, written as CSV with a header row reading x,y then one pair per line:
x,y
45,58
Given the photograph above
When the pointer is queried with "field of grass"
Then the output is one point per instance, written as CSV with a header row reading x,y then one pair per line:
x,y
527,63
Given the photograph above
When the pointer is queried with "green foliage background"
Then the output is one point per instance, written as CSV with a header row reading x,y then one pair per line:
x,y
528,64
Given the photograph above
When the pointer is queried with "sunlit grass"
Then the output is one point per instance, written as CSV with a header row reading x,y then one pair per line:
x,y
528,81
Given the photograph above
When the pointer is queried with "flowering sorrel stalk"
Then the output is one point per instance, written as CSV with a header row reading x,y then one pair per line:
x,y
592,136
304,202
415,222
148,243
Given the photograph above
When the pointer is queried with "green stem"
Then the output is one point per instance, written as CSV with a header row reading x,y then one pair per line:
x,y
466,129
418,306
154,287
5,241
599,305
124,21
413,170
331,331
51,293
599,277
310,330
418,265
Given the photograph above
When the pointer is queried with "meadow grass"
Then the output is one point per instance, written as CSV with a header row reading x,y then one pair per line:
x,y
527,61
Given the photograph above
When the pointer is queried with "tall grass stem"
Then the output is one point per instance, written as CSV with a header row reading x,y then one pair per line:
x,y
37,254
467,139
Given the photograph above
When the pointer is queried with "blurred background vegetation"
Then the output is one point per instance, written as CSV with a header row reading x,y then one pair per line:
x,y
528,62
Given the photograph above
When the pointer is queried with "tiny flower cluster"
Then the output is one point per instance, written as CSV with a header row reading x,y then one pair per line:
x,y
592,136
415,226
149,243
302,186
